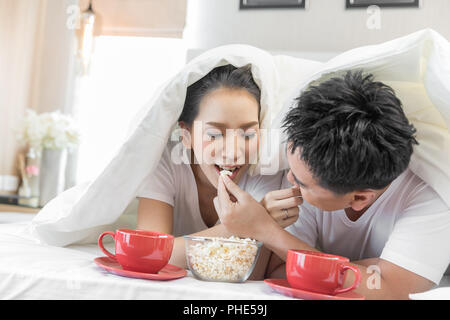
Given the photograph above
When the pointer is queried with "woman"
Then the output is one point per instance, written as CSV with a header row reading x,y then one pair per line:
x,y
220,131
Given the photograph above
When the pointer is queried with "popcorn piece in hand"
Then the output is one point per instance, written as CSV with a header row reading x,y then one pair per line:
x,y
226,173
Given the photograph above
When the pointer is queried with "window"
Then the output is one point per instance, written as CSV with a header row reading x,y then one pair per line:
x,y
125,72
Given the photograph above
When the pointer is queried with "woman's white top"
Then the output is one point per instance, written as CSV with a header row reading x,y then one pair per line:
x,y
173,182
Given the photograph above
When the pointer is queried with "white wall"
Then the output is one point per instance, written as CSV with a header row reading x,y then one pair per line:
x,y
325,26
54,59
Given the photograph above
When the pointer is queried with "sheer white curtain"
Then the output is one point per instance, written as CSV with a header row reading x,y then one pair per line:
x,y
138,46
35,53
124,73
18,19
37,70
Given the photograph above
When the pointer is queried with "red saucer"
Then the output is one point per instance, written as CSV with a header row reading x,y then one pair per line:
x,y
169,272
282,286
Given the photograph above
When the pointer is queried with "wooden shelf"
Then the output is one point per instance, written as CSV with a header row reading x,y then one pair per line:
x,y
14,208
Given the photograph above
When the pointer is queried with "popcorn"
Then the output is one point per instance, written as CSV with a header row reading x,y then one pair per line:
x,y
228,260
226,173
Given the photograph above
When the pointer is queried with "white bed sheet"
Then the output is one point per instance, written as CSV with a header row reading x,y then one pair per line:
x,y
13,217
29,270
34,271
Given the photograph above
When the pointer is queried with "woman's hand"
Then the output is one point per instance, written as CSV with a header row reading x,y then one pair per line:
x,y
240,213
282,205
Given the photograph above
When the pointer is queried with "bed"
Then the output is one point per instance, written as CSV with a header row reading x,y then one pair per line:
x,y
29,270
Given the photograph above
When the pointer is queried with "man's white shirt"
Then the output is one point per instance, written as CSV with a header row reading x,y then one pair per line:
x,y
408,225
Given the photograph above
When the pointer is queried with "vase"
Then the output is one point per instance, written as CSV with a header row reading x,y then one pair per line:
x,y
29,190
71,169
52,174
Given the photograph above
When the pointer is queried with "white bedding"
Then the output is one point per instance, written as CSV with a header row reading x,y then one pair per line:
x,y
13,217
417,66
30,270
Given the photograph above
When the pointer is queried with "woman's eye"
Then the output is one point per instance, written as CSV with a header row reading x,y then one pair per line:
x,y
213,135
249,135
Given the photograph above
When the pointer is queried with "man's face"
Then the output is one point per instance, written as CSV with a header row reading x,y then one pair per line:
x,y
300,176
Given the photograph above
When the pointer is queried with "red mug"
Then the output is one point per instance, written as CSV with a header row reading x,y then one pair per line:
x,y
140,250
319,272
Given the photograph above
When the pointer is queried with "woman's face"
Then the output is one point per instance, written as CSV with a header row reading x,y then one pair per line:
x,y
225,133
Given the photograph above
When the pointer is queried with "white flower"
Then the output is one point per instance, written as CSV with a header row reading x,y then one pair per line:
x,y
49,130
31,131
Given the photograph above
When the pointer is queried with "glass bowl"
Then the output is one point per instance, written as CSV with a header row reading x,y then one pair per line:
x,y
221,259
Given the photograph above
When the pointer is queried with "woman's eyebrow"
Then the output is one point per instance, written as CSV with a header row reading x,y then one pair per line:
x,y
249,124
243,126
216,124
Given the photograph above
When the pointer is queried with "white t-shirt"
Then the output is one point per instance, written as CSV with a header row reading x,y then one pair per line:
x,y
408,225
173,182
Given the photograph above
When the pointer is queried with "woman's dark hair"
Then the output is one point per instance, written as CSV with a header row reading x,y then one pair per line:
x,y
226,76
352,133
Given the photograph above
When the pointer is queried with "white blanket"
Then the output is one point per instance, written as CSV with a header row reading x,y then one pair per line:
x,y
30,270
416,66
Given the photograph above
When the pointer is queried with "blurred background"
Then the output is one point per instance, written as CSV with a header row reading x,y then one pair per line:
x,y
74,73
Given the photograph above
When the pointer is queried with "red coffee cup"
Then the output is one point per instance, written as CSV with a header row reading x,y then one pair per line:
x,y
319,272
140,250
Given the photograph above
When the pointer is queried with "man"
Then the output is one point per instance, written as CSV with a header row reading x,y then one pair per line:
x,y
349,147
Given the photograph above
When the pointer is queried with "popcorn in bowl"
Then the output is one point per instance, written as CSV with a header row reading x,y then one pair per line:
x,y
221,259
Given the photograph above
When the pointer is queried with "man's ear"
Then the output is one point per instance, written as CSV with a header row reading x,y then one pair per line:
x,y
186,138
362,198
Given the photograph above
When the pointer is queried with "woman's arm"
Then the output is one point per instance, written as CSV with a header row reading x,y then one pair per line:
x,y
155,215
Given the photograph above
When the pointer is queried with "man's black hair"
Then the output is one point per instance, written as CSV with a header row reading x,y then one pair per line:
x,y
352,133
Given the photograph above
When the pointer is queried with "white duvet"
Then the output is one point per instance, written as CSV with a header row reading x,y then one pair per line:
x,y
417,66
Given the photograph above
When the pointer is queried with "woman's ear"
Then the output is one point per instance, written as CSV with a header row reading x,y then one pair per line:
x,y
185,135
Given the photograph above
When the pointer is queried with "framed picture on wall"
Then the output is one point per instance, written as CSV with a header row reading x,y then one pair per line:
x,y
267,4
381,3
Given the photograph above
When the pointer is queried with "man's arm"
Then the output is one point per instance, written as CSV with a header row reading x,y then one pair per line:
x,y
380,279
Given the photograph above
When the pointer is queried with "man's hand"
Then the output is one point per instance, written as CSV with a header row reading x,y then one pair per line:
x,y
282,205
246,217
